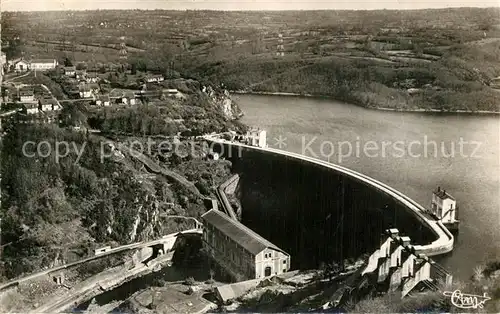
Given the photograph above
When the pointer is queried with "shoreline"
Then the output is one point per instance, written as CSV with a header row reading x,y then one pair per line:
x,y
459,111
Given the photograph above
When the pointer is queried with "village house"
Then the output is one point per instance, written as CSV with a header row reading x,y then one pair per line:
x,y
239,250
91,77
26,95
85,92
48,104
154,78
103,101
88,90
3,61
129,99
30,108
80,74
43,64
3,58
21,66
70,71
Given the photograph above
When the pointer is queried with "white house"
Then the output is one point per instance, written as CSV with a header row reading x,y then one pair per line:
x,y
21,66
26,95
80,74
85,92
3,61
43,64
91,77
30,108
103,101
70,71
48,104
88,90
154,78
129,99
3,58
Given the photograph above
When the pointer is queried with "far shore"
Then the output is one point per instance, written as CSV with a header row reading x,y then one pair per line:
x,y
375,108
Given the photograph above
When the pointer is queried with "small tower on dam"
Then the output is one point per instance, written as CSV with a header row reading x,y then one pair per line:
x,y
444,208
256,137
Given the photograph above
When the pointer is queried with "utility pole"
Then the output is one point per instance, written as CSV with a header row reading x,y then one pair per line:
x,y
123,48
1,249
1,246
280,51
1,69
342,208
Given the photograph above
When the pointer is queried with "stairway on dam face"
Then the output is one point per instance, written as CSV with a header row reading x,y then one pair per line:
x,y
225,189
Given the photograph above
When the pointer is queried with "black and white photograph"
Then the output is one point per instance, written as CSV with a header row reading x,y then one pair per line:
x,y
255,156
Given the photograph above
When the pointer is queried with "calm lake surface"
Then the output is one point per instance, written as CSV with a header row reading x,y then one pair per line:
x,y
413,152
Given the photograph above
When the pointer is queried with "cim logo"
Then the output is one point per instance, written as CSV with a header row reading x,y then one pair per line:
x,y
466,301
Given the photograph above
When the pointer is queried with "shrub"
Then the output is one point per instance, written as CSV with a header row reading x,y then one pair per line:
x,y
189,281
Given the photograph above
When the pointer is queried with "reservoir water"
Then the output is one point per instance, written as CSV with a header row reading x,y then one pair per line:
x,y
413,152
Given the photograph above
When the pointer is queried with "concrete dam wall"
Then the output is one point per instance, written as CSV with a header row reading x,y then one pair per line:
x,y
319,214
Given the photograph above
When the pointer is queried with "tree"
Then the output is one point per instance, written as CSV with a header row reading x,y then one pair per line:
x,y
189,281
67,62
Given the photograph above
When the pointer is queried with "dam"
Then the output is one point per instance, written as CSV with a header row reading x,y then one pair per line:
x,y
321,212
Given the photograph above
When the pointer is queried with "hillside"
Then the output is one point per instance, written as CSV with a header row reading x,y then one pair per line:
x,y
444,59
58,210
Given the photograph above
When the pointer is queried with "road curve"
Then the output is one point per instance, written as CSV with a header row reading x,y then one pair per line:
x,y
91,258
445,240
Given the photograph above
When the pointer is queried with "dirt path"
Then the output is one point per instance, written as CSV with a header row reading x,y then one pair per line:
x,y
155,168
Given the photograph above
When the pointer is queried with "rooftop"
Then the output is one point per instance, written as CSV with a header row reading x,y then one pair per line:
x,y
43,61
88,87
47,101
442,194
19,60
84,88
238,232
128,94
26,92
30,105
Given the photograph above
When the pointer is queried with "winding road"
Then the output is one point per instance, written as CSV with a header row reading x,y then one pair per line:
x,y
107,253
